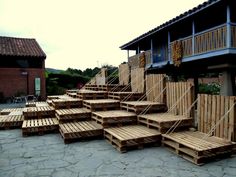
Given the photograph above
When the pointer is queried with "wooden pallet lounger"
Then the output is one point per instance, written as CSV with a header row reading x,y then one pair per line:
x,y
73,131
194,147
39,126
164,121
132,136
114,117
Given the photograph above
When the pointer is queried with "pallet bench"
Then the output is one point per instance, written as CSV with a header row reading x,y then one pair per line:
x,y
64,115
73,131
114,117
129,96
139,106
11,121
91,95
102,104
164,121
38,112
132,136
193,147
67,103
39,126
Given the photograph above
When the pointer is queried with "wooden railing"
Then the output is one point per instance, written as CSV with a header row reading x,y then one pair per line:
x,y
134,61
210,40
187,47
233,36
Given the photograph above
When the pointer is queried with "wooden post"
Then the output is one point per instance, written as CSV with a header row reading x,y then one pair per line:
x,y
169,46
152,52
228,27
193,38
128,54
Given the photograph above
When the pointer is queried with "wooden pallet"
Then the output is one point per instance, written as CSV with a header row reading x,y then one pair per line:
x,y
132,136
54,97
128,96
64,115
90,94
39,126
7,111
73,95
102,104
194,147
11,121
36,104
139,106
114,117
73,131
109,87
164,121
38,112
67,103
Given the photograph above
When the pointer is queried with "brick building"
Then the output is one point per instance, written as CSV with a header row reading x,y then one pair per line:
x,y
22,67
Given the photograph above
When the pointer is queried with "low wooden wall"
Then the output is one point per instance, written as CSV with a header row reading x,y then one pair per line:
x,y
137,80
124,74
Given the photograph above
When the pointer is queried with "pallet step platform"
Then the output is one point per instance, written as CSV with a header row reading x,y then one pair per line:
x,y
11,121
38,112
108,88
196,147
139,106
73,131
65,115
102,104
164,121
73,95
91,94
129,96
67,103
36,104
8,111
132,136
114,117
39,126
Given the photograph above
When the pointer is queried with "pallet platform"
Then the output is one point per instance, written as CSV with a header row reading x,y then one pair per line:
x,y
132,136
36,104
64,115
67,103
164,121
7,111
139,106
108,88
38,112
129,96
91,94
12,121
73,95
102,104
39,126
114,117
193,147
80,130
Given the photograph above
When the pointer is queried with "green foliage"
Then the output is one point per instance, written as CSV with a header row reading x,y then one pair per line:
x,y
212,88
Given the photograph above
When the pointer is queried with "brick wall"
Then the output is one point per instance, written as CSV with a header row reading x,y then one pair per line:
x,y
12,80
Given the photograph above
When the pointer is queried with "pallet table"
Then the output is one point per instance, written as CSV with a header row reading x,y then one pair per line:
x,y
164,121
139,106
102,104
114,117
196,147
65,115
132,136
81,130
11,121
39,126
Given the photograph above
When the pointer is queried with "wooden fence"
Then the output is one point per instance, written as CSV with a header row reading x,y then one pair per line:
x,y
211,109
137,80
155,84
124,74
179,98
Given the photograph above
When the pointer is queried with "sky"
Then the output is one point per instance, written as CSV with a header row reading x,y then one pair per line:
x,y
84,34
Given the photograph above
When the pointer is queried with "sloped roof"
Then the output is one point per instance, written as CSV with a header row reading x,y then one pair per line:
x,y
24,47
172,21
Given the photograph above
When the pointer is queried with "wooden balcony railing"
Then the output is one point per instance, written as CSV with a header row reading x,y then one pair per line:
x,y
187,47
233,36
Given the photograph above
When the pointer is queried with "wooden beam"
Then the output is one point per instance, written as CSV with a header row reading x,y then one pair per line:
x,y
193,38
152,51
169,46
228,27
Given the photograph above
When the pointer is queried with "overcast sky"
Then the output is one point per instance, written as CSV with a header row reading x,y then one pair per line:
x,y
86,33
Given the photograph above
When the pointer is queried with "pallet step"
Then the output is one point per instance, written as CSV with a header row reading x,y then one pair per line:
x,y
7,111
39,126
139,106
164,121
128,96
38,112
67,103
11,121
65,115
73,131
196,147
36,104
91,95
102,104
114,118
132,136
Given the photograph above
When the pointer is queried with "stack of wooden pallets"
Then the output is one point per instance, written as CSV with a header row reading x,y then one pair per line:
x,y
11,118
91,94
128,96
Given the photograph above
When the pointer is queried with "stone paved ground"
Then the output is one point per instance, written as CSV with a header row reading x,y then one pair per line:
x,y
48,156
